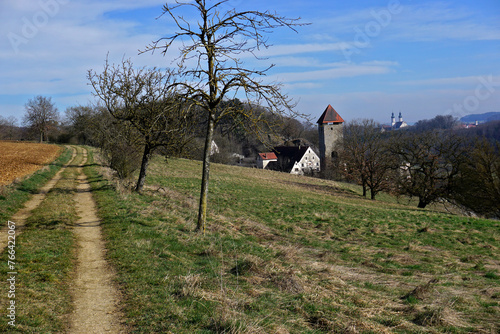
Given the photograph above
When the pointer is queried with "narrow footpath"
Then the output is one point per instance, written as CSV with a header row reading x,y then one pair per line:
x,y
95,297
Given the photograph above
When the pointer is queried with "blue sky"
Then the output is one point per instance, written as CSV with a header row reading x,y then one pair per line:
x,y
365,58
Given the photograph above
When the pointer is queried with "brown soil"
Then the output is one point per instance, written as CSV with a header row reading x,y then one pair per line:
x,y
19,159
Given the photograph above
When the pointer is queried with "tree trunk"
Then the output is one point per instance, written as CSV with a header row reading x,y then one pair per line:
x,y
421,204
202,213
144,166
373,194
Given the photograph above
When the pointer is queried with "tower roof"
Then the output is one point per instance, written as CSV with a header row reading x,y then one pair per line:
x,y
330,116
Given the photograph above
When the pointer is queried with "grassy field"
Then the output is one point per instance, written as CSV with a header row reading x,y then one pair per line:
x,y
287,254
45,255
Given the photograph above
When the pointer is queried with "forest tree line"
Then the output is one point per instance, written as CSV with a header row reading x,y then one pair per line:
x,y
433,160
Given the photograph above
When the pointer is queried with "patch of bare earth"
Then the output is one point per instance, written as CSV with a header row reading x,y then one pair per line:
x,y
19,159
95,297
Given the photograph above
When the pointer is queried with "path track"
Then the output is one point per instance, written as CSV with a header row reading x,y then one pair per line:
x,y
95,297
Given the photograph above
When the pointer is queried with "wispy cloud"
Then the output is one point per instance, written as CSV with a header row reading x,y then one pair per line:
x,y
425,21
81,33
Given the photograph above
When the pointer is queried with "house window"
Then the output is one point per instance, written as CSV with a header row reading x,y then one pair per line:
x,y
302,165
296,169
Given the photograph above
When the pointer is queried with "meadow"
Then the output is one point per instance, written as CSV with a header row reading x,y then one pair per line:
x,y
288,254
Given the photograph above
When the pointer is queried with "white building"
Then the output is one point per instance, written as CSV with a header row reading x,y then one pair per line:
x,y
263,159
297,160
308,162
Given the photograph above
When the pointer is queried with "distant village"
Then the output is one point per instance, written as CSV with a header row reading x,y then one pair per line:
x,y
301,159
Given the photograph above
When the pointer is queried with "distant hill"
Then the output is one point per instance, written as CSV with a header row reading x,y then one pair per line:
x,y
481,118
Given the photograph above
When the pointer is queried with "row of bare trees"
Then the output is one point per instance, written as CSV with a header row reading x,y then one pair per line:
x,y
153,108
8,128
432,165
160,104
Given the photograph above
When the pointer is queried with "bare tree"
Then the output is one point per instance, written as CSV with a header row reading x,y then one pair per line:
x,y
291,129
478,186
146,99
8,127
79,122
365,156
41,115
433,160
214,44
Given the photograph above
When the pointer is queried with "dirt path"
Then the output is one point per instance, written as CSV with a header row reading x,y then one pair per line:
x,y
20,216
95,298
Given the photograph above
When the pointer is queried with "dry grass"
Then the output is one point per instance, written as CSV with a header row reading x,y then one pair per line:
x,y
285,254
20,159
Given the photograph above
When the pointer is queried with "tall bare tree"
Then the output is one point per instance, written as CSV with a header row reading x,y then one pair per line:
x,y
40,115
478,186
433,160
214,43
79,121
8,128
366,158
147,100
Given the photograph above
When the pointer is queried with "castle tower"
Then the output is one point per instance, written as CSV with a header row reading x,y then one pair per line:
x,y
331,133
393,120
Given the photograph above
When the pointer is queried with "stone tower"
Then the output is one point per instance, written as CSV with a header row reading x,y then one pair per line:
x,y
331,132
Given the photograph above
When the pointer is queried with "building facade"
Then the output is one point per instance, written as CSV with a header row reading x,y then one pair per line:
x,y
331,135
263,159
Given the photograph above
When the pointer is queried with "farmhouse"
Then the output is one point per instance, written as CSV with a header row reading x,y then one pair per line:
x,y
263,159
297,160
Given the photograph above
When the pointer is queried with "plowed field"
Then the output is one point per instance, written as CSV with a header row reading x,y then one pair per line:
x,y
19,159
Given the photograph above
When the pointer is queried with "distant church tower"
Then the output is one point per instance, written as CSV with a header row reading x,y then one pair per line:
x,y
331,133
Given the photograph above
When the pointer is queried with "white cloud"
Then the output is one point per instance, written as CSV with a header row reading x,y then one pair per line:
x,y
78,37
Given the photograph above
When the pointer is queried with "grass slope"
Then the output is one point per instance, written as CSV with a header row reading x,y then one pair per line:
x,y
287,254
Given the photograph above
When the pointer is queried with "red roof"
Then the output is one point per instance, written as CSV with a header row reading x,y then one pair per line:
x,y
268,156
330,116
